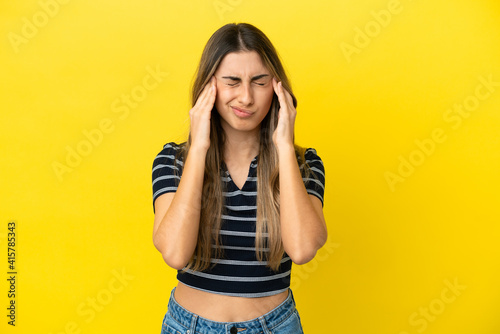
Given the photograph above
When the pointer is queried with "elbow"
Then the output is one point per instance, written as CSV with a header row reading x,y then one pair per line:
x,y
301,254
175,262
305,252
172,258
302,257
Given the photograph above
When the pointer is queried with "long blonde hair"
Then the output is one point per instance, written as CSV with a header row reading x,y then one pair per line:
x,y
236,38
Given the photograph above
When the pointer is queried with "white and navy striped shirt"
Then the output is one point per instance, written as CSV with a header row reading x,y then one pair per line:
x,y
239,273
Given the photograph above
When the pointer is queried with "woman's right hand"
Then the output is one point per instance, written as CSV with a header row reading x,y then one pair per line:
x,y
200,116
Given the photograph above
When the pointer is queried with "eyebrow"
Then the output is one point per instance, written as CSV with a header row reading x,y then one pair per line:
x,y
257,77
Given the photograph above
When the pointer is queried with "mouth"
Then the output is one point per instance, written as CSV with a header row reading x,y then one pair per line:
x,y
243,113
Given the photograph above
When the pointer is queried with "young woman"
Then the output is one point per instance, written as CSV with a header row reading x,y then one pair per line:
x,y
238,202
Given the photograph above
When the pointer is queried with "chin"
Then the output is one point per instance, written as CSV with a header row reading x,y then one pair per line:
x,y
240,125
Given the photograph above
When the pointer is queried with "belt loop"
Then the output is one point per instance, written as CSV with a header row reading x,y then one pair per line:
x,y
263,324
291,294
192,328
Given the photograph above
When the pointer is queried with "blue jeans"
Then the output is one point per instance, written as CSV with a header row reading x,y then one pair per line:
x,y
283,319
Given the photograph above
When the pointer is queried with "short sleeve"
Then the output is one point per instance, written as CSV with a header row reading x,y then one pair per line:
x,y
315,183
167,171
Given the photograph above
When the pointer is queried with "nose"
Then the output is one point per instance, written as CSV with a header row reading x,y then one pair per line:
x,y
245,96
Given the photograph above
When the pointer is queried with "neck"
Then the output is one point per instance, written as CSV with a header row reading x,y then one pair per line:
x,y
241,146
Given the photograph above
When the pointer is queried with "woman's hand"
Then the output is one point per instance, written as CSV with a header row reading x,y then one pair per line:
x,y
200,116
283,134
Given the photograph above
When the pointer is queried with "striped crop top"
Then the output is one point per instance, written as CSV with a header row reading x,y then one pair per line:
x,y
239,273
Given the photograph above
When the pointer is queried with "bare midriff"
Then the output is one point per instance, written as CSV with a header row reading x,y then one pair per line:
x,y
224,308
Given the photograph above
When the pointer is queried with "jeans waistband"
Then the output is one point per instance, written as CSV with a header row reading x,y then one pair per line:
x,y
263,323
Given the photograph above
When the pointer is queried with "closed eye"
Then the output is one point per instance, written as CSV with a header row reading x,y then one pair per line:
x,y
236,80
257,83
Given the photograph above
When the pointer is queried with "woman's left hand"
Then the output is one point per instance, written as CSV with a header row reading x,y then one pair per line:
x,y
283,134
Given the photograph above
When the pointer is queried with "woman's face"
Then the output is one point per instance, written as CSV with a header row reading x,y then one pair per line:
x,y
244,91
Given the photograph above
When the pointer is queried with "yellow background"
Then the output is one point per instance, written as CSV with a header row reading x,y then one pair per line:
x,y
391,249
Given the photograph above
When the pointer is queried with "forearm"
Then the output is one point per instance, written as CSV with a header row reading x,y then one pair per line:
x,y
303,230
177,234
